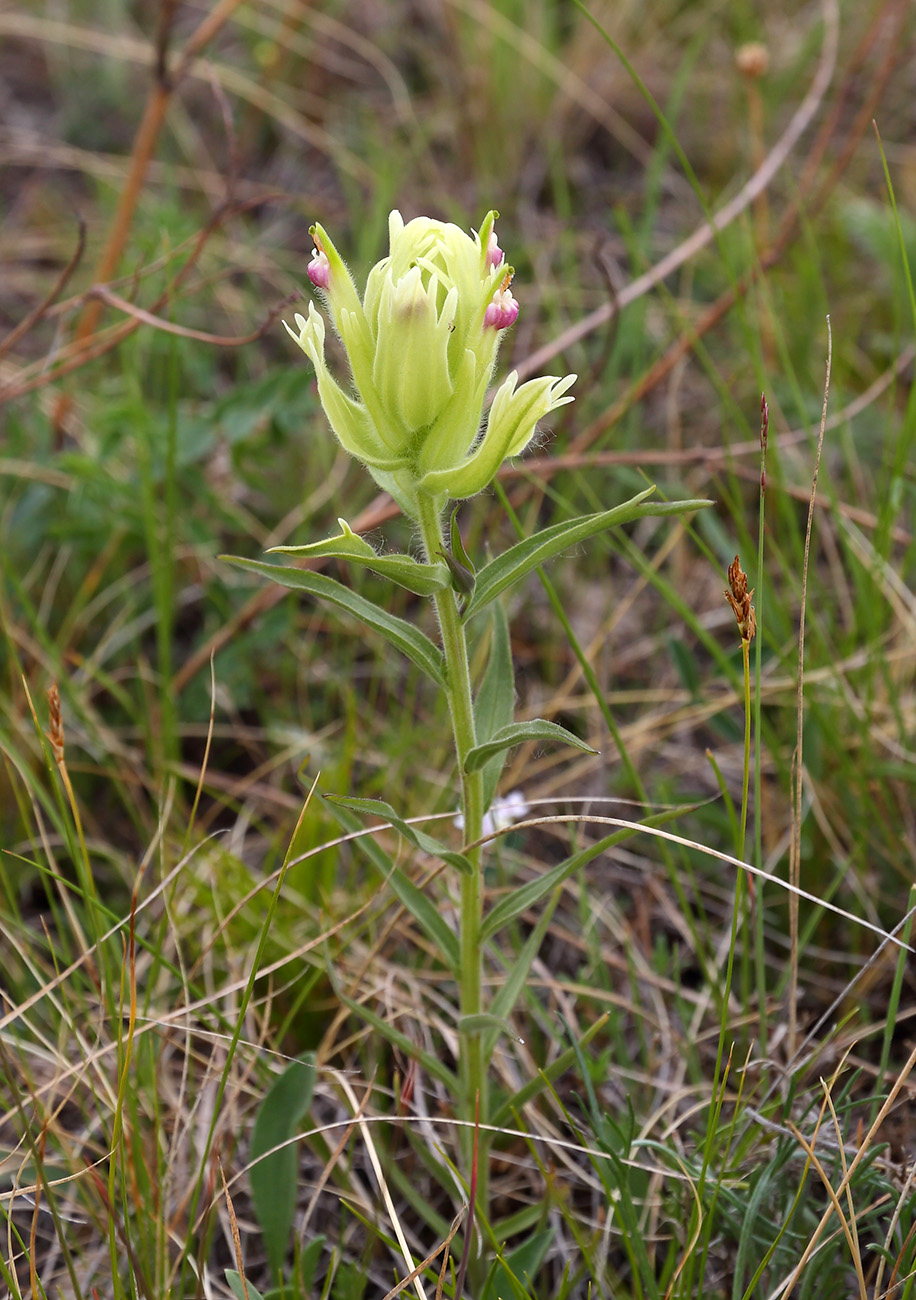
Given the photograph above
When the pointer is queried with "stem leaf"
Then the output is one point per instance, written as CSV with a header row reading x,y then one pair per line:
x,y
515,1272
430,1063
422,579
421,908
544,1078
485,1021
396,631
419,839
510,567
515,734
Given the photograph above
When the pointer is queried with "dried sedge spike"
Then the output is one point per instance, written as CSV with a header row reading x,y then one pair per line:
x,y
740,600
55,723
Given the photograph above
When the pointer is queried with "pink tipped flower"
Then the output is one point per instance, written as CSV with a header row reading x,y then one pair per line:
x,y
319,269
422,343
495,254
503,309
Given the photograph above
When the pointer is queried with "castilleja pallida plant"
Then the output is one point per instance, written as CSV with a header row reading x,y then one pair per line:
x,y
421,345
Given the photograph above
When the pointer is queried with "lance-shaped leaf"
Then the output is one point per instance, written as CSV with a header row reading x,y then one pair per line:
x,y
402,635
420,907
422,579
486,1023
515,734
514,1274
508,568
419,839
458,551
428,1060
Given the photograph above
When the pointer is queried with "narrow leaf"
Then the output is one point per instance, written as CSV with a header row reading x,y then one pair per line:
x,y
419,839
464,575
458,550
483,1021
512,565
431,1064
422,579
274,1179
462,578
308,1262
402,635
515,734
495,702
421,908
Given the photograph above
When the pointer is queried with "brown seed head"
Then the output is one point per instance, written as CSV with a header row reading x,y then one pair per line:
x,y
740,600
55,723
752,60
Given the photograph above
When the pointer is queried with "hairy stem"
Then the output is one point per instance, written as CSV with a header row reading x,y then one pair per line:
x,y
473,1066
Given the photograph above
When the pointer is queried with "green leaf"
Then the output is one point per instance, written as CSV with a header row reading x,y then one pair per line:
x,y
520,1266
350,1280
421,908
458,550
422,579
508,568
308,1263
242,1290
495,702
419,839
525,896
402,635
274,1179
462,578
515,734
431,1064
485,1021
458,561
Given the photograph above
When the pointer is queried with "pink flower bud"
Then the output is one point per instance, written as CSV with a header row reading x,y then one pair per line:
x,y
319,269
495,254
503,309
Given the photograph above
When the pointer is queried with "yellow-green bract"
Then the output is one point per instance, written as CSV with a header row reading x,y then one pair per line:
x,y
421,345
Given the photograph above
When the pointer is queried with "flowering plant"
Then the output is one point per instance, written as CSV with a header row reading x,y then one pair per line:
x,y
421,345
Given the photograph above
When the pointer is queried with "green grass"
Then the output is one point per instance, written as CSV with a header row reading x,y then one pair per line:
x,y
197,955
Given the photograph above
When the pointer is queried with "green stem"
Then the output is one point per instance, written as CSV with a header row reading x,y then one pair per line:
x,y
472,1063
746,646
759,948
743,885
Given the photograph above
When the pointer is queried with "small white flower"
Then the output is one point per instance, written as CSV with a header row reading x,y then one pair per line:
x,y
505,810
